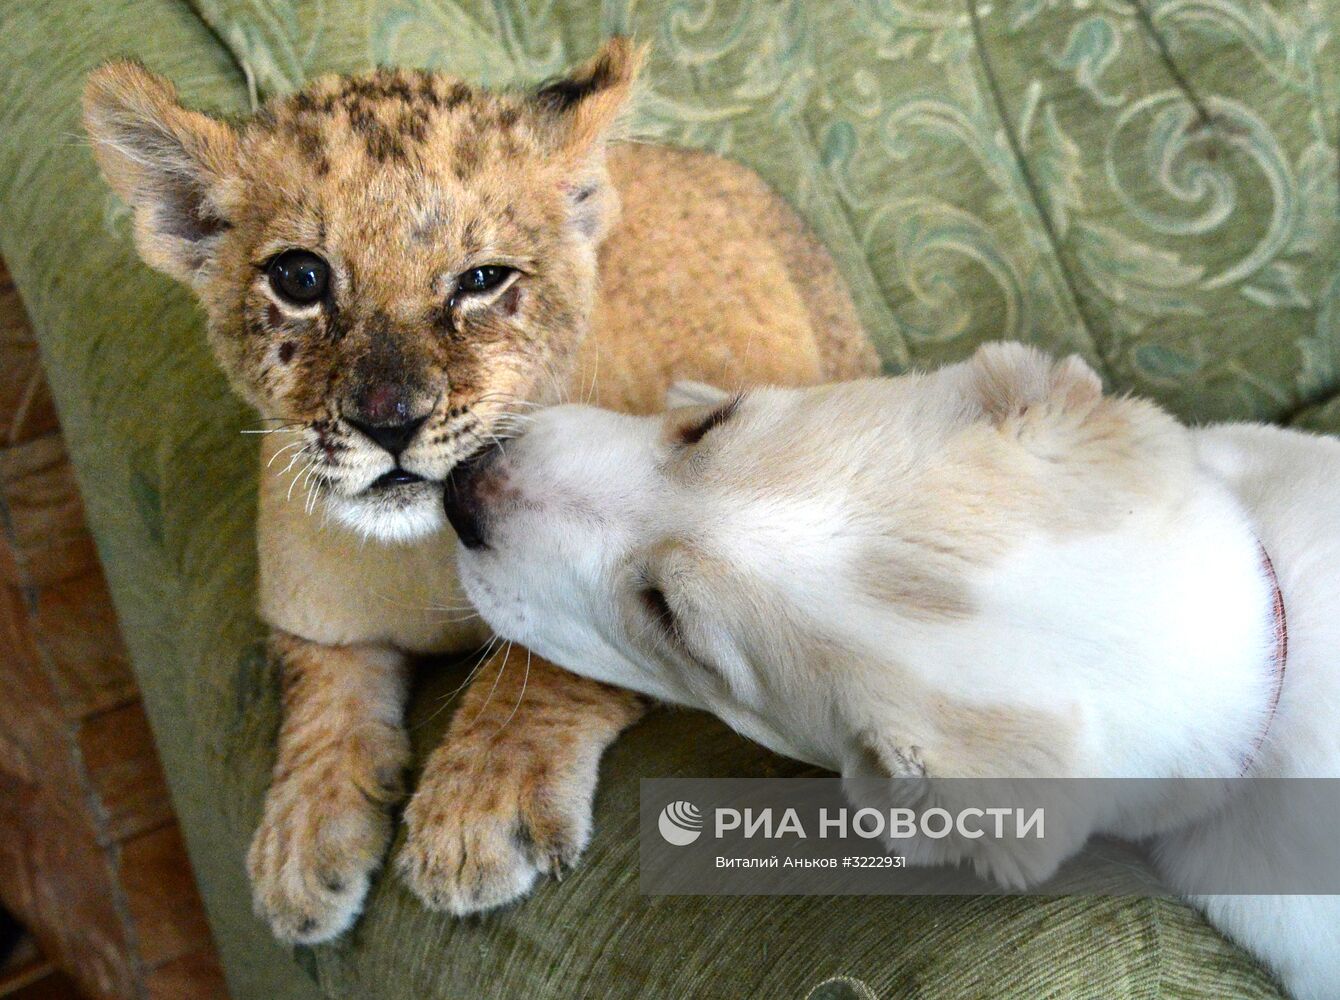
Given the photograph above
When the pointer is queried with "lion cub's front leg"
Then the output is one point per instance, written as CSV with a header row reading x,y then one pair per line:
x,y
342,753
507,795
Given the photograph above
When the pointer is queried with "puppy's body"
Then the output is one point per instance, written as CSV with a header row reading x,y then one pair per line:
x,y
989,571
1286,481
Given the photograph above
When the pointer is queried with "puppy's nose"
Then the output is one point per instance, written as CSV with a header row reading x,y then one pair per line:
x,y
468,489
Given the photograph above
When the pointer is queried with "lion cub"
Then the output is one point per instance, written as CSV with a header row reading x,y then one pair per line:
x,y
990,571
393,266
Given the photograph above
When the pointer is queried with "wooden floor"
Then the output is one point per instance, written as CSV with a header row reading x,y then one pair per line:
x,y
91,859
28,976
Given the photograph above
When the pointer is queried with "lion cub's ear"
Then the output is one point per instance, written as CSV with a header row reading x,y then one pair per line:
x,y
169,164
583,110
588,102
1011,378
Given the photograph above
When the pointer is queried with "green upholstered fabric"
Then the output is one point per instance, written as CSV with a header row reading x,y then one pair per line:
x,y
1152,184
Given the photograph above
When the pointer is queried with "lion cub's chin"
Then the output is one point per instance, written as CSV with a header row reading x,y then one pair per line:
x,y
397,515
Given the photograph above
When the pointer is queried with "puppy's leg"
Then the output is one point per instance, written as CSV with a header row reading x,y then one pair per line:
x,y
342,754
886,773
508,794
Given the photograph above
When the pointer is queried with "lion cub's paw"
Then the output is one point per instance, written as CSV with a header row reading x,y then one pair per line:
x,y
323,834
481,830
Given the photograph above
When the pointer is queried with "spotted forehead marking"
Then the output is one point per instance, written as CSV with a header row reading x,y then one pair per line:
x,y
388,111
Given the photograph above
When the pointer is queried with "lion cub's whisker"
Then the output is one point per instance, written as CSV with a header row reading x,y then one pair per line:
x,y
289,496
388,599
296,457
506,398
300,445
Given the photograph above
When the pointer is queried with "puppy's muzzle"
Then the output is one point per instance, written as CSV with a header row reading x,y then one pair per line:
x,y
470,487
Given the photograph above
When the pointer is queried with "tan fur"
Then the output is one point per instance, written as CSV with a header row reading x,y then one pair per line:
x,y
332,585
1000,741
342,755
1071,437
402,179
939,737
520,751
899,580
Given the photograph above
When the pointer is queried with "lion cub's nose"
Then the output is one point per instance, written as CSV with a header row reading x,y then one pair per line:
x,y
393,437
470,486
384,415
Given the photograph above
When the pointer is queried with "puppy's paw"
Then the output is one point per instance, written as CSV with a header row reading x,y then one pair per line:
x,y
482,828
906,762
324,833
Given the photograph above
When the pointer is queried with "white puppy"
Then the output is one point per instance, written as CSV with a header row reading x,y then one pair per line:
x,y
988,571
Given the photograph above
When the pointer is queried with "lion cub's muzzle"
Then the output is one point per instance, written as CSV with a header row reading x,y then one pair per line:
x,y
390,417
472,489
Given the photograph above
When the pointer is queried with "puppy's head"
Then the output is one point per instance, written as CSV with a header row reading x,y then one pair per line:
x,y
691,556
776,557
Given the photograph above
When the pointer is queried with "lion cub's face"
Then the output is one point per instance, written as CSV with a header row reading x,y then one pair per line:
x,y
390,263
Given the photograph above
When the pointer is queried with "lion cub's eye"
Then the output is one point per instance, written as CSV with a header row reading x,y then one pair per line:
x,y
299,277
482,279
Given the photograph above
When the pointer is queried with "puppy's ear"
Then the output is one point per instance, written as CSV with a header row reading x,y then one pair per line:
x,y
169,164
1010,379
689,393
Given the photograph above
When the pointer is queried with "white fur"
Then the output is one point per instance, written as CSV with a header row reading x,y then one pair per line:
x,y
388,518
1148,638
